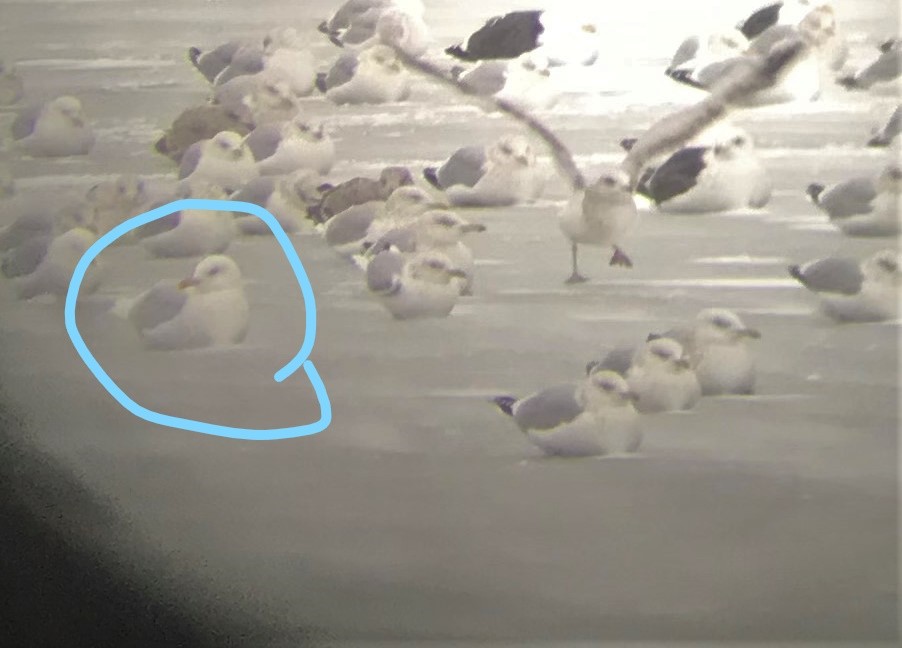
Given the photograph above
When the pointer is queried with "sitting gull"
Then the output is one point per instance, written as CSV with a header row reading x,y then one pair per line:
x,y
886,68
291,145
525,81
209,308
423,286
190,232
717,343
659,374
285,197
194,125
55,129
727,175
504,173
595,417
373,76
43,264
225,161
853,291
862,206
357,191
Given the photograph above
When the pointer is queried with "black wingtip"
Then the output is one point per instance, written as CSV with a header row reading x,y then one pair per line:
x,y
161,147
194,55
431,176
814,192
848,82
878,142
685,77
323,28
653,336
505,404
627,143
796,273
459,52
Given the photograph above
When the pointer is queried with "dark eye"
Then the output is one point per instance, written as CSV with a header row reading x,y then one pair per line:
x,y
738,141
888,265
720,322
214,270
609,181
444,221
506,149
662,353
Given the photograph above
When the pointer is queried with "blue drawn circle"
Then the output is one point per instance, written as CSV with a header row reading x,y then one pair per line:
x,y
299,361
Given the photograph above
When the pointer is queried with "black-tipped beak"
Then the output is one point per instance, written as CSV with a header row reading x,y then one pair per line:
x,y
683,363
457,272
750,333
472,227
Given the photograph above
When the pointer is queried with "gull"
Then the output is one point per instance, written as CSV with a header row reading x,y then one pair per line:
x,y
717,343
372,76
196,124
209,308
886,68
43,264
286,197
284,147
863,206
225,161
357,191
593,418
423,286
889,131
56,128
853,291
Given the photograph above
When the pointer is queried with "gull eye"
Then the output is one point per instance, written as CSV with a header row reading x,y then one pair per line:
x,y
739,141
889,265
609,181
721,322
507,150
662,353
213,271
445,221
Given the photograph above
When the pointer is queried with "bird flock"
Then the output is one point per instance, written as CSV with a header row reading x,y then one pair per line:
x,y
406,230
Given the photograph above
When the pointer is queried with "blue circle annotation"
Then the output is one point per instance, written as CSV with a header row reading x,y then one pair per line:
x,y
299,361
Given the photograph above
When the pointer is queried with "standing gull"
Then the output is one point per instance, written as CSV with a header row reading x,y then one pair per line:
x,y
593,418
862,206
209,308
853,291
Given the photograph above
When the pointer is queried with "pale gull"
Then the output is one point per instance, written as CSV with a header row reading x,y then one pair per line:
x,y
225,160
863,206
55,129
423,286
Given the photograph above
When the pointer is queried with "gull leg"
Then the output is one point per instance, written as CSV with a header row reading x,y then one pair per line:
x,y
575,276
619,258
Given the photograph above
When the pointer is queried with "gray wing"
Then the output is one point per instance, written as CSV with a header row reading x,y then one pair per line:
x,y
487,78
547,409
191,159
711,74
25,227
619,359
849,198
830,275
23,125
25,258
264,140
687,51
257,191
763,44
350,225
464,167
246,61
887,67
383,271
215,61
160,225
342,70
159,304
404,239
894,125
760,20
230,95
682,334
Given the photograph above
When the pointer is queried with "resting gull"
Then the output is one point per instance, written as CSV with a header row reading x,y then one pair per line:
x,y
214,61
357,191
853,291
194,125
863,206
225,161
284,147
55,129
372,76
257,99
190,232
285,197
659,374
726,175
592,418
423,286
525,81
43,264
504,173
209,308
717,343
439,230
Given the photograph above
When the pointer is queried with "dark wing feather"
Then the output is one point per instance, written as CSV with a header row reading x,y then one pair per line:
x,y
678,174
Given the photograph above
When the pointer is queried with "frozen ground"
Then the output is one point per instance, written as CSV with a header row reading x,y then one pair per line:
x,y
421,512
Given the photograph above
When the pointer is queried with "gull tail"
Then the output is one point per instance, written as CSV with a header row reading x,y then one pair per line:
x,y
505,404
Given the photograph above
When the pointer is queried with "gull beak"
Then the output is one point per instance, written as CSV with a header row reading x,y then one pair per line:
x,y
438,205
472,227
188,282
683,363
545,72
237,153
456,272
522,159
750,333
